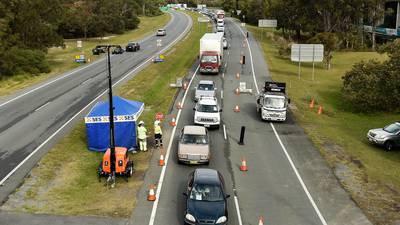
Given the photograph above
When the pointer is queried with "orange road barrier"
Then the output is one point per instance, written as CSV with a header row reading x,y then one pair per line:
x,y
320,110
312,103
237,92
261,220
152,194
173,122
161,162
179,105
243,166
236,109
237,75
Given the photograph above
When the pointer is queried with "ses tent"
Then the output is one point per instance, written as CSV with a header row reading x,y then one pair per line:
x,y
126,112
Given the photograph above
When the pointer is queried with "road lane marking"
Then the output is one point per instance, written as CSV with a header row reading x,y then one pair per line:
x,y
237,209
42,106
164,168
100,95
68,74
303,185
224,131
222,94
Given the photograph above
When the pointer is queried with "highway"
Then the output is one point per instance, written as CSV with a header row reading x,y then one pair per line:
x,y
288,181
34,119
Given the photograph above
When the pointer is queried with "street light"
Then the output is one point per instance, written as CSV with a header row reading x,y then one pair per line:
x,y
111,116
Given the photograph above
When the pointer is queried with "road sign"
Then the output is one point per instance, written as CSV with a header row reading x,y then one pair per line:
x,y
238,11
203,20
243,24
267,23
307,53
159,42
79,44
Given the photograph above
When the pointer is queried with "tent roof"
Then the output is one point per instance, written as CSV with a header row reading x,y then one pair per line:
x,y
122,107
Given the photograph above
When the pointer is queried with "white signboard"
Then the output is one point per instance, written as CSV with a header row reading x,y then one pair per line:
x,y
367,28
203,20
267,23
243,24
238,11
159,44
307,53
79,44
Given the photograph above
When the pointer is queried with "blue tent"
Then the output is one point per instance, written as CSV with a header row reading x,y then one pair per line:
x,y
126,113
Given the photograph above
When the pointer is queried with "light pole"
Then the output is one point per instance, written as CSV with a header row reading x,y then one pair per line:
x,y
111,116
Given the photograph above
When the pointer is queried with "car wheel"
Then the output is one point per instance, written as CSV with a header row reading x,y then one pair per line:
x,y
389,145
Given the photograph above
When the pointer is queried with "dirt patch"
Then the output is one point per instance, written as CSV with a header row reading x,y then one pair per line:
x,y
379,201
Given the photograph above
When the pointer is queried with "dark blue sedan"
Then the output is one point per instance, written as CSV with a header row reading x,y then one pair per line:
x,y
206,198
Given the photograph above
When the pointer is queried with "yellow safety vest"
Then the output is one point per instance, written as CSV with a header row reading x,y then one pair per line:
x,y
157,129
141,132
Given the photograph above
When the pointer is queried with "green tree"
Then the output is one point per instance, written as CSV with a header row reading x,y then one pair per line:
x,y
330,42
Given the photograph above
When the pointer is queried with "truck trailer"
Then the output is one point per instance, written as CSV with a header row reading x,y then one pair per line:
x,y
211,53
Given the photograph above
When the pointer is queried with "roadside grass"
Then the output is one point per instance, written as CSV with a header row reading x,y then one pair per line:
x,y
339,133
62,60
65,181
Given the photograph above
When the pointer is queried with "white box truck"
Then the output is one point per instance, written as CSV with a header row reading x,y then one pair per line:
x,y
211,52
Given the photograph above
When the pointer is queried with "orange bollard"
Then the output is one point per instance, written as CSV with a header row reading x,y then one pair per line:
x,y
236,109
237,75
173,122
161,162
320,110
237,92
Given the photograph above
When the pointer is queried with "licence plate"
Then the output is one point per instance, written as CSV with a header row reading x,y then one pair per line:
x,y
206,125
193,162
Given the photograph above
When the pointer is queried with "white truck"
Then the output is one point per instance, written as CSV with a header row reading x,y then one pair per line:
x,y
207,112
272,102
211,52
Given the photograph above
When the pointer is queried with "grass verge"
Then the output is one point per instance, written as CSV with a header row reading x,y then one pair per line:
x,y
65,180
369,173
62,60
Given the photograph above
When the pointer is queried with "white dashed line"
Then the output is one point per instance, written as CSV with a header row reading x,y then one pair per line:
x,y
222,94
41,107
223,126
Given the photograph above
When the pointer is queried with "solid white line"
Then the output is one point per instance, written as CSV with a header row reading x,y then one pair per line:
x,y
222,94
303,185
238,210
224,131
68,74
62,127
42,106
162,176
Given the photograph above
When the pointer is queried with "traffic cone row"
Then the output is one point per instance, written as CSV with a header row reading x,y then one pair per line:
x,y
152,195
312,106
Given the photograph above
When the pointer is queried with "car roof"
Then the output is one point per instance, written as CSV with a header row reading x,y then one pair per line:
x,y
206,176
206,82
196,130
207,101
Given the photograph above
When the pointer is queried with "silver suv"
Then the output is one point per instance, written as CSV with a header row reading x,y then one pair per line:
x,y
389,136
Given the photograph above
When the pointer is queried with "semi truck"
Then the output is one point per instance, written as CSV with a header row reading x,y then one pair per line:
x,y
272,102
211,53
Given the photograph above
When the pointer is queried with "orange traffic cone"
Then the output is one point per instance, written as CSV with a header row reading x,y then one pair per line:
x,y
237,76
152,194
260,220
237,92
236,109
185,84
320,110
312,103
161,162
243,167
173,122
179,105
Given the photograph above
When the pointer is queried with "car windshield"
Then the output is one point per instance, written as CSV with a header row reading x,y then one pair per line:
x,y
207,108
392,128
209,58
276,103
194,139
160,30
205,87
206,192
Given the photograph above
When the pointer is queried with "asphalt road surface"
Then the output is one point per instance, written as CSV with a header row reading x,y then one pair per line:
x,y
33,120
288,182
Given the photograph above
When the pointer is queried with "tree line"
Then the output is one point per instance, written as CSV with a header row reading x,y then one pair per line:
x,y
29,27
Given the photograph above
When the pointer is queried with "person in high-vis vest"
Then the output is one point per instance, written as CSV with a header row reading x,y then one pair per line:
x,y
158,134
142,135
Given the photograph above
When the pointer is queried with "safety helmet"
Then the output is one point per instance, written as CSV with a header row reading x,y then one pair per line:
x,y
141,122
